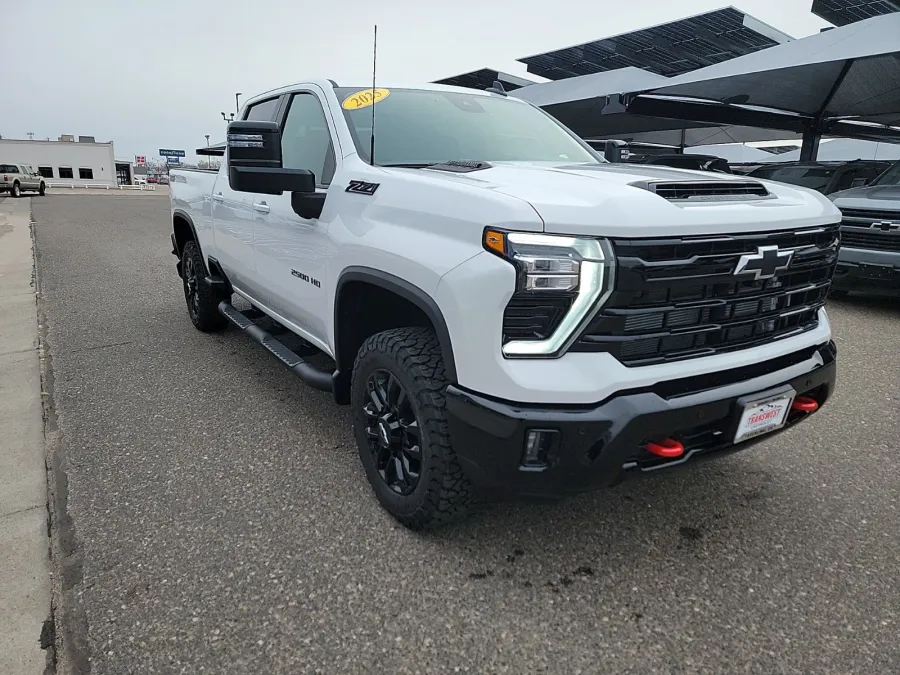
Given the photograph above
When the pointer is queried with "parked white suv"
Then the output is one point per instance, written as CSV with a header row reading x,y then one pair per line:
x,y
508,314
18,178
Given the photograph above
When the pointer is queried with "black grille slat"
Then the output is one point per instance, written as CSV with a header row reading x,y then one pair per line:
x,y
533,317
679,298
871,214
872,239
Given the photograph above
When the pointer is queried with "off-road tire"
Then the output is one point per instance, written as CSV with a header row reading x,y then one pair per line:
x,y
413,355
204,312
16,190
43,189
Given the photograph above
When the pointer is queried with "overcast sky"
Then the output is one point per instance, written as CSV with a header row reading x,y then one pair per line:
x,y
156,73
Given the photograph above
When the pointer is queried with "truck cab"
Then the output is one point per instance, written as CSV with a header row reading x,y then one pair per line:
x,y
507,314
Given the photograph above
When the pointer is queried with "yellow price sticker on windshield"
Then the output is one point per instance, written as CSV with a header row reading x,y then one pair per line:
x,y
365,98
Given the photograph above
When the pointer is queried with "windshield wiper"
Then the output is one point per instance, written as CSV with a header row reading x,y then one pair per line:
x,y
454,165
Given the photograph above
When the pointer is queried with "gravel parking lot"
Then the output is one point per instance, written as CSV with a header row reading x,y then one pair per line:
x,y
223,523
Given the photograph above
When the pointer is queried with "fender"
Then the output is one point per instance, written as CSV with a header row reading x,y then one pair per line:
x,y
179,213
408,292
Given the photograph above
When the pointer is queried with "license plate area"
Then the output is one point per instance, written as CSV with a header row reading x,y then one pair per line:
x,y
760,414
876,272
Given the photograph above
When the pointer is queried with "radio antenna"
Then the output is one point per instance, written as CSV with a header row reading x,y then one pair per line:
x,y
374,62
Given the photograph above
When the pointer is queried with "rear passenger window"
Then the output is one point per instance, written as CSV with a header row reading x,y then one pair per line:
x,y
264,111
306,139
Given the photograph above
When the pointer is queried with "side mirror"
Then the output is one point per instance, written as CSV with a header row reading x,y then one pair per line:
x,y
254,161
615,151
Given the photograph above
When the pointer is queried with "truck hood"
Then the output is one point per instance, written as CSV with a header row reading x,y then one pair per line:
x,y
604,200
872,197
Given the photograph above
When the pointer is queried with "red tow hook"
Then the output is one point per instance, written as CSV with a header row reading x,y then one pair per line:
x,y
667,447
805,404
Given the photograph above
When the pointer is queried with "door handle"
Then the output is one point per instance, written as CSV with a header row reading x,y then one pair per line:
x,y
218,197
262,207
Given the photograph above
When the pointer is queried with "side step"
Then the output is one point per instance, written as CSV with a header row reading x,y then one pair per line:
x,y
314,378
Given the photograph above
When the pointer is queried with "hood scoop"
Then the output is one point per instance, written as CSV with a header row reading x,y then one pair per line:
x,y
706,191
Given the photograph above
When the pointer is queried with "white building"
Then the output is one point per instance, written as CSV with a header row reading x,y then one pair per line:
x,y
69,161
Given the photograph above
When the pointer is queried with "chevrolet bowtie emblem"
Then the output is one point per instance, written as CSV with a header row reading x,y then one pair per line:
x,y
765,262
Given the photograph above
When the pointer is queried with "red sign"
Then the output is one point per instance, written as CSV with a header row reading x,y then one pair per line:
x,y
140,160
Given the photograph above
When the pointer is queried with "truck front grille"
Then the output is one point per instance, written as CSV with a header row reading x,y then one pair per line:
x,y
679,298
870,229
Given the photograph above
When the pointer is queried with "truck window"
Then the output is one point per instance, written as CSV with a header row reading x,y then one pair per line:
x,y
417,126
264,111
306,139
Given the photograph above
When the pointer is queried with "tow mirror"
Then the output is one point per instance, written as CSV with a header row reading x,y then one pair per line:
x,y
254,161
616,151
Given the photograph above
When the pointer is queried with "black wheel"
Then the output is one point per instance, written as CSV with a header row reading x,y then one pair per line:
x,y
43,189
202,303
16,190
400,423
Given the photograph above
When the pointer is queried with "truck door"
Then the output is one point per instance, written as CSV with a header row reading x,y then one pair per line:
x,y
291,252
234,223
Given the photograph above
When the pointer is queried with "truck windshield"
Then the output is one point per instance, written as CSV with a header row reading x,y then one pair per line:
x,y
889,177
421,127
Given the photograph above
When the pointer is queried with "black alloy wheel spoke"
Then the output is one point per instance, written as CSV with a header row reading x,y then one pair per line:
x,y
392,432
190,286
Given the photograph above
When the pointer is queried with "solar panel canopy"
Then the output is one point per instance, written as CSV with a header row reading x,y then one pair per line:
x,y
669,49
843,12
484,78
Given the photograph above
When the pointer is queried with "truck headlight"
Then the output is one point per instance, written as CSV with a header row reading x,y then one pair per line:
x,y
577,269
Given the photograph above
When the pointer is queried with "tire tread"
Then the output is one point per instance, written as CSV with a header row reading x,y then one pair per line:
x,y
449,495
208,320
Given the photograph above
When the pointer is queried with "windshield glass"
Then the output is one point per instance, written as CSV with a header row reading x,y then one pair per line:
x,y
815,177
889,177
415,126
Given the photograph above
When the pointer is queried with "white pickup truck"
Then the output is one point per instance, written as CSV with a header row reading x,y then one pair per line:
x,y
507,314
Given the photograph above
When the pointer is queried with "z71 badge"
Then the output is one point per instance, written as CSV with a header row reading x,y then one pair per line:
x,y
361,187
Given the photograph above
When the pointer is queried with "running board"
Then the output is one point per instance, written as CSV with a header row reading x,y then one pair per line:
x,y
314,378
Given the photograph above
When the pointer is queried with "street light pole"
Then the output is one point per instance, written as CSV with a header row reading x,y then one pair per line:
x,y
237,105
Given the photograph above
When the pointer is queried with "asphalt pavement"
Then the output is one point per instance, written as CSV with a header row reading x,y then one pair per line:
x,y
222,522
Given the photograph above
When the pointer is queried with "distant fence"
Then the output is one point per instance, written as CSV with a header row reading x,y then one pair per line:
x,y
101,186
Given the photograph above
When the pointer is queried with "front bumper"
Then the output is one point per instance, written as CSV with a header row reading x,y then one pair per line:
x,y
600,445
861,269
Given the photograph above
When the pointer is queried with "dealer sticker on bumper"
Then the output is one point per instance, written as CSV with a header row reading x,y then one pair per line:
x,y
763,417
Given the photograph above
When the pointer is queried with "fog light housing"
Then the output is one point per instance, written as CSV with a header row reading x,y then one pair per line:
x,y
540,445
